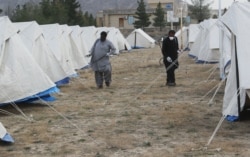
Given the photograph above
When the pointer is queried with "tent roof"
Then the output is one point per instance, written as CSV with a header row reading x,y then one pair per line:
x,y
32,28
7,28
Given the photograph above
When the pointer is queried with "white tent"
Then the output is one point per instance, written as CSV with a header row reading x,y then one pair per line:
x,y
21,77
66,33
195,48
139,39
193,31
182,36
237,19
206,45
73,48
122,43
53,34
33,38
79,47
4,135
209,48
89,37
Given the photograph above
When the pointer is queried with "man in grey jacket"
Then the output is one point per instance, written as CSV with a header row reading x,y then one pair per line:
x,y
100,52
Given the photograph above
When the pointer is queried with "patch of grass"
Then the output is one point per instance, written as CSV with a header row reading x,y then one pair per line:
x,y
99,155
151,133
146,144
119,122
119,131
38,141
27,148
87,107
125,114
139,117
81,140
170,125
166,135
10,149
190,130
230,127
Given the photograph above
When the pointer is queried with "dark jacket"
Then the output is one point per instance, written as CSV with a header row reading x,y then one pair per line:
x,y
170,48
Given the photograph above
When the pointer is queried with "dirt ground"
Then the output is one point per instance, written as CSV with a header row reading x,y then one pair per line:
x,y
138,116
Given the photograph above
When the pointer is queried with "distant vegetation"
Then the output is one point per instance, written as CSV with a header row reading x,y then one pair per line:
x,y
142,18
53,11
199,9
159,20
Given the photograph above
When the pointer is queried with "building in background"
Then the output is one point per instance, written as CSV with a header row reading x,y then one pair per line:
x,y
124,19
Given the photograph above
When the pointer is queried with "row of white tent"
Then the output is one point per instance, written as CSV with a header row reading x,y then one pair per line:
x,y
40,57
225,41
36,59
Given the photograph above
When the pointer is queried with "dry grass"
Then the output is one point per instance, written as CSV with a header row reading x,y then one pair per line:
x,y
138,116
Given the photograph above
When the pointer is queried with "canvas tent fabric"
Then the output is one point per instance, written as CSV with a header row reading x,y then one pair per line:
x,y
194,50
225,50
182,36
21,76
237,20
53,34
206,46
139,39
79,47
193,31
77,59
89,37
4,135
122,43
33,38
209,51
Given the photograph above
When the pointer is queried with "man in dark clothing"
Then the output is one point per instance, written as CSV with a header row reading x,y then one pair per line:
x,y
170,49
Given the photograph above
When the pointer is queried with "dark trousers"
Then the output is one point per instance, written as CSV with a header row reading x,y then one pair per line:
x,y
170,68
101,76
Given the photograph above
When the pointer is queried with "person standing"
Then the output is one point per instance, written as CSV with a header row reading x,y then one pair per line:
x,y
100,63
170,49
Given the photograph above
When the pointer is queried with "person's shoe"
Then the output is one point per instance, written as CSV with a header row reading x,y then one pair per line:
x,y
107,84
99,86
172,84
